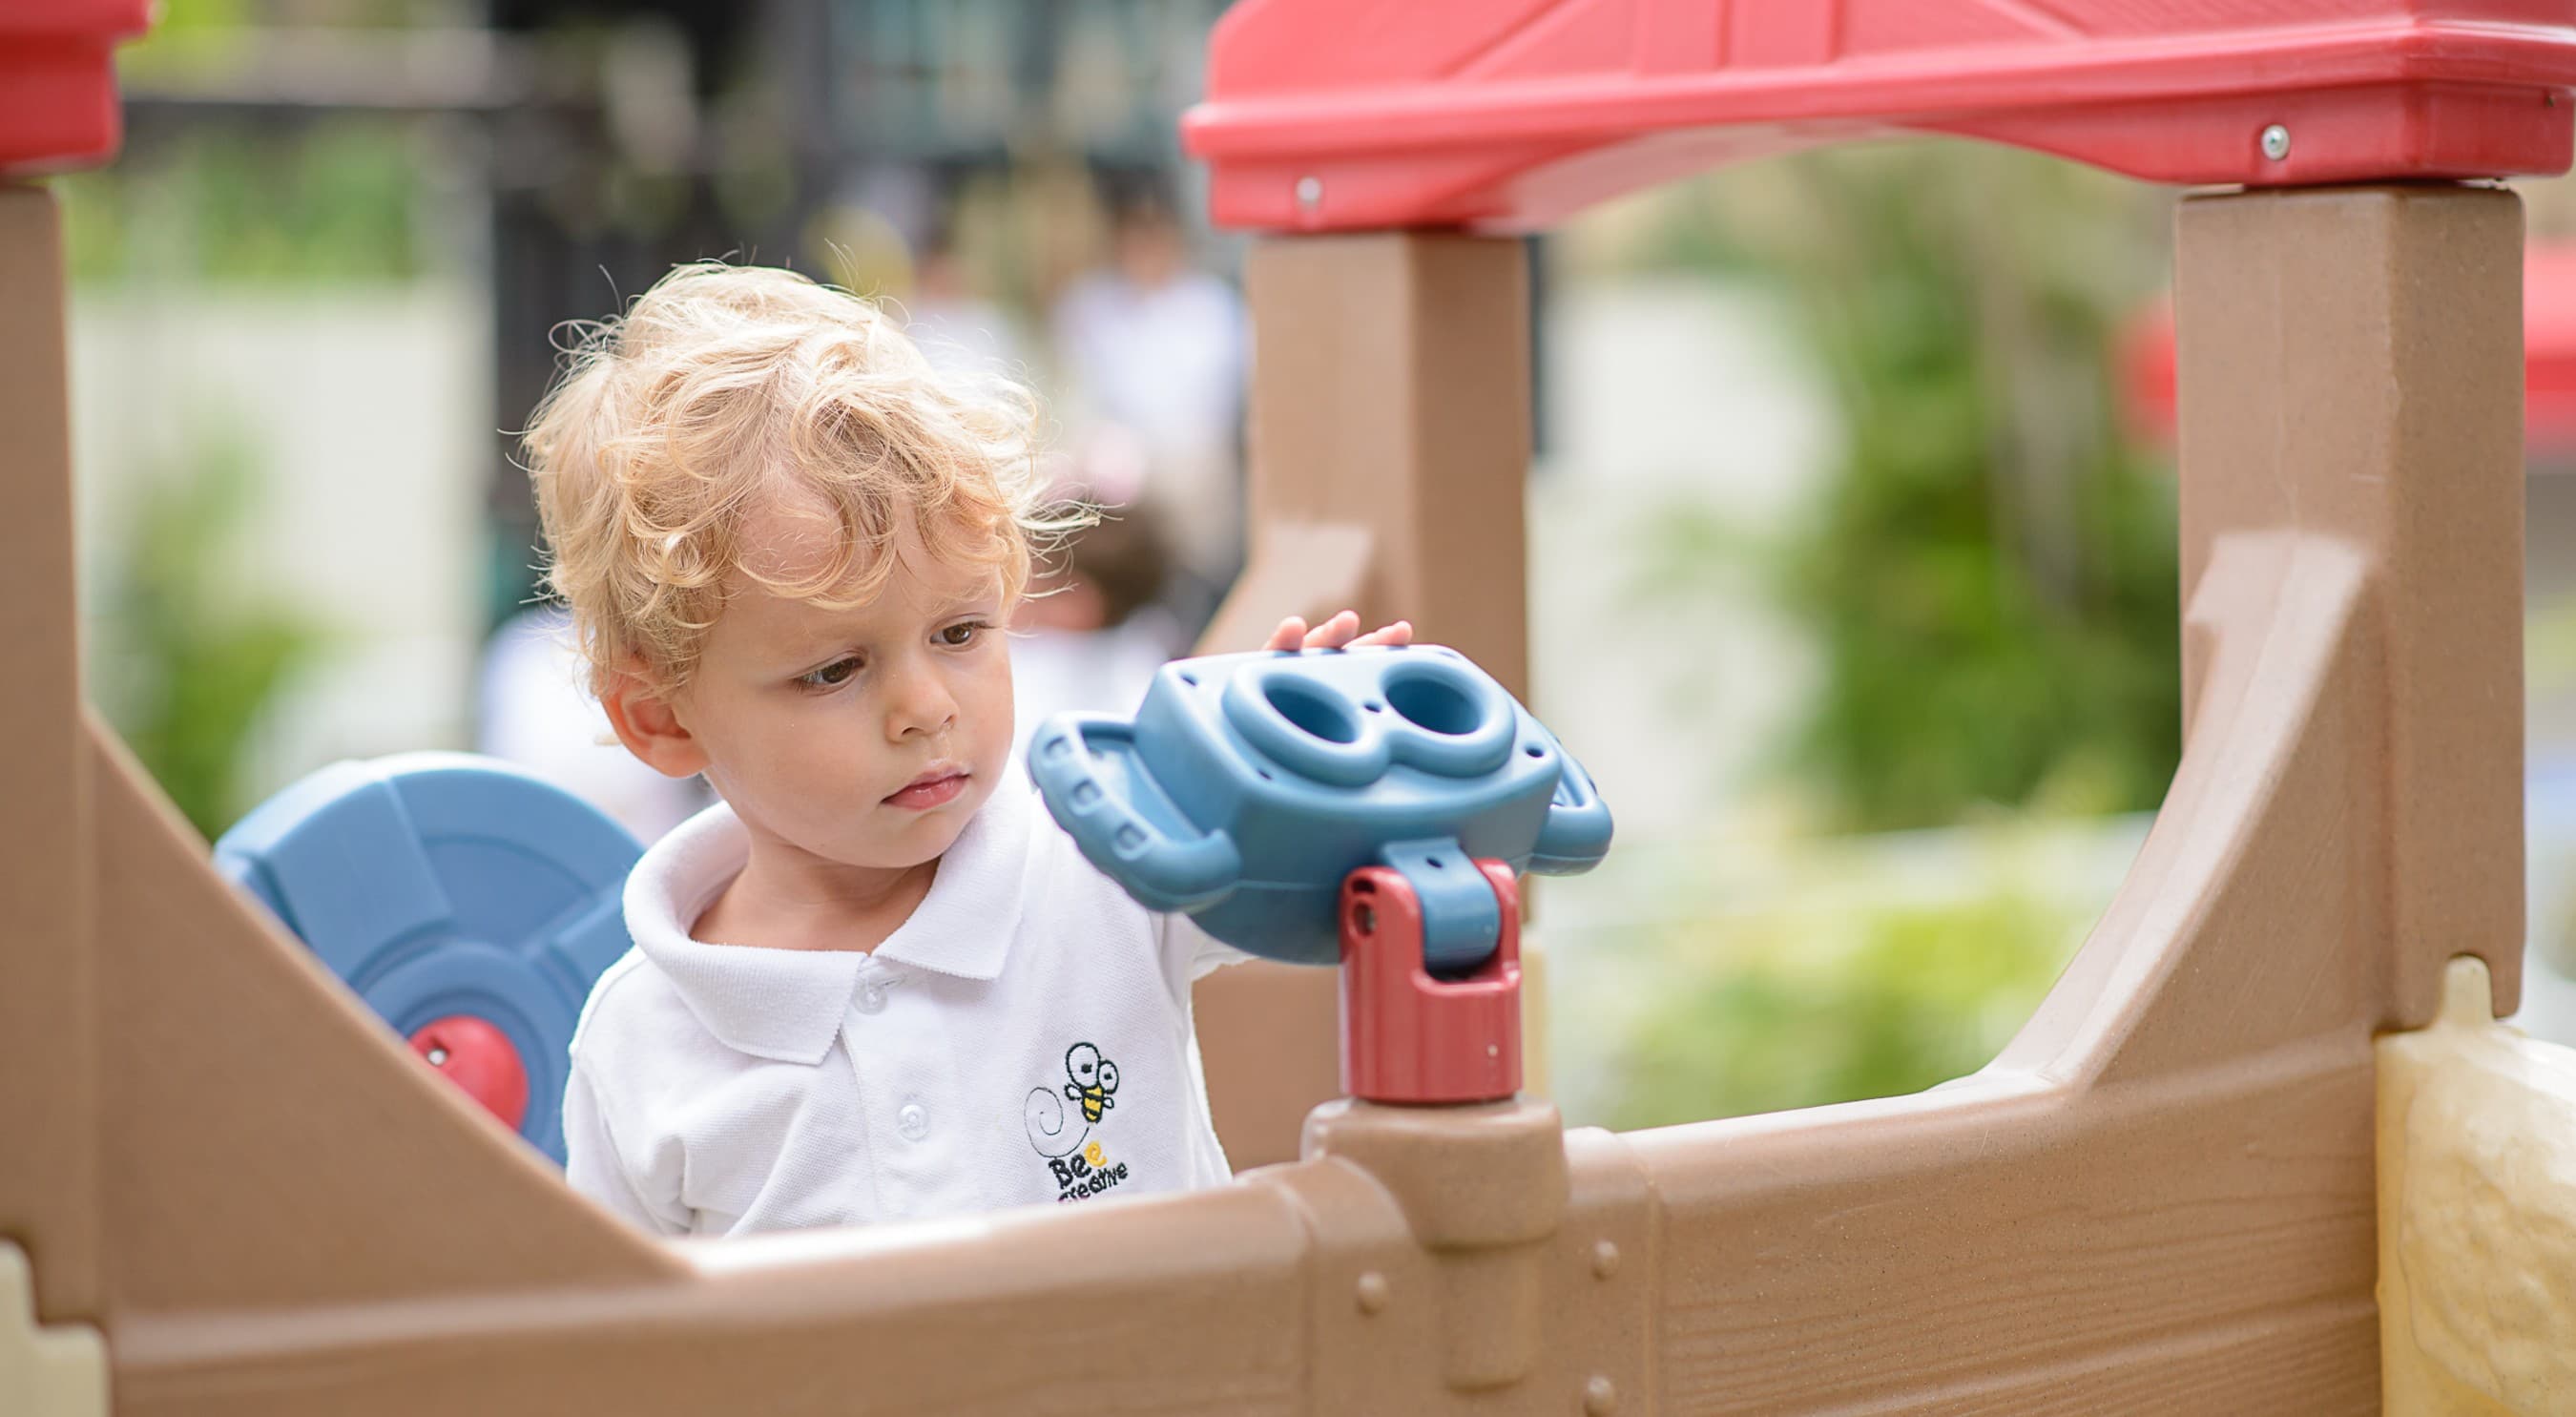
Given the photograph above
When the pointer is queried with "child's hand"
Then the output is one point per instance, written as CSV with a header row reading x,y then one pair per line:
x,y
1340,632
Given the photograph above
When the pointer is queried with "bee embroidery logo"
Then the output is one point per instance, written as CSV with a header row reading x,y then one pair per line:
x,y
1093,1081
1080,1164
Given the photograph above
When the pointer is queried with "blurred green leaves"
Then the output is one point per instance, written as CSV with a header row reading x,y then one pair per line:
x,y
1796,1006
1989,573
180,661
332,202
1987,577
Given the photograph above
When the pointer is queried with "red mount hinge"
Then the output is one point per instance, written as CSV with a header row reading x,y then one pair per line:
x,y
1407,1036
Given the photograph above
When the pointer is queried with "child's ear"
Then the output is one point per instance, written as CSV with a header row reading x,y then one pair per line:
x,y
650,727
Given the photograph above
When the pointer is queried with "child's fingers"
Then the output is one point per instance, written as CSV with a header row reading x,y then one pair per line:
x,y
1334,633
1342,631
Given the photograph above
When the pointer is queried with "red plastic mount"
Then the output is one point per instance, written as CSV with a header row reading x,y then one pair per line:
x,y
480,1059
58,83
1512,114
1408,1037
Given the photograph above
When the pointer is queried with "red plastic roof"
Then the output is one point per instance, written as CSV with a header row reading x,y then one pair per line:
x,y
2549,358
57,86
1511,114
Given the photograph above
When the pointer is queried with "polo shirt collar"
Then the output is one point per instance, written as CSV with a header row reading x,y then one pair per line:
x,y
787,1005
964,926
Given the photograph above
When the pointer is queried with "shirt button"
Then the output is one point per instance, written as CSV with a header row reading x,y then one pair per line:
x,y
912,1121
872,998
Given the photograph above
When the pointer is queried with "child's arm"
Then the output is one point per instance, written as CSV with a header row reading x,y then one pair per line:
x,y
595,1168
1190,953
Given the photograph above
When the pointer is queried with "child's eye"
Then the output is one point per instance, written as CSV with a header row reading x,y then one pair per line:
x,y
961,635
832,675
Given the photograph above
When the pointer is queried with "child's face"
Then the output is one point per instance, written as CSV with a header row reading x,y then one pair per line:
x,y
864,737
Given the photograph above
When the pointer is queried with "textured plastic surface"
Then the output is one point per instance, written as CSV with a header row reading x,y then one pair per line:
x,y
58,81
1248,786
2548,358
1408,1035
439,886
1511,114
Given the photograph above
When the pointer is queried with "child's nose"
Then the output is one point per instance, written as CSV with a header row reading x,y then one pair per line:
x,y
920,705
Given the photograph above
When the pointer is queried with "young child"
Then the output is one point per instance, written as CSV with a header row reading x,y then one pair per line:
x,y
874,980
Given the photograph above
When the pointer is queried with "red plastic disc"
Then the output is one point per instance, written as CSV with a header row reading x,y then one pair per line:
x,y
478,1058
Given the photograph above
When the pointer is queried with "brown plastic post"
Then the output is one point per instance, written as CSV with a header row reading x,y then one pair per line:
x,y
49,1094
1389,452
1482,1187
2352,371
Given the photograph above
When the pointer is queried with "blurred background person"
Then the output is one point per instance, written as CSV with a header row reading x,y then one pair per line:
x,y
1150,344
961,329
535,709
1094,626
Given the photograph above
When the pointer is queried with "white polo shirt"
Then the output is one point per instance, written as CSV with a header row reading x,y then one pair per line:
x,y
1025,1038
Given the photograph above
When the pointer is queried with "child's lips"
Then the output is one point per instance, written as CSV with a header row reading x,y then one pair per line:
x,y
931,789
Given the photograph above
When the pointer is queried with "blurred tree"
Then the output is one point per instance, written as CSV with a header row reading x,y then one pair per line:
x,y
181,664
1990,571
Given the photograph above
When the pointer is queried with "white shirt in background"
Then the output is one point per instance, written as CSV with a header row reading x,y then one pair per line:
x,y
1025,1038
1089,671
536,713
1166,362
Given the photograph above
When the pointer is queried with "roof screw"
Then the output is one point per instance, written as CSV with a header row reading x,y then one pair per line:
x,y
1372,1292
1605,1260
1310,192
2276,142
1600,1397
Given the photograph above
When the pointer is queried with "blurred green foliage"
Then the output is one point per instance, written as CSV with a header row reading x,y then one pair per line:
x,y
316,204
1867,994
1987,577
1990,572
180,662
242,200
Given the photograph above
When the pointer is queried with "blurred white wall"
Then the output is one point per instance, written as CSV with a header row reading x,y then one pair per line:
x,y
1666,395
367,412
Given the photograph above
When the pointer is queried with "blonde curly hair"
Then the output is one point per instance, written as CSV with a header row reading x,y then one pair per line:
x,y
727,388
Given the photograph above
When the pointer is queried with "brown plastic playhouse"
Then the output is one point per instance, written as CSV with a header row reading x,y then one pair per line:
x,y
2189,1184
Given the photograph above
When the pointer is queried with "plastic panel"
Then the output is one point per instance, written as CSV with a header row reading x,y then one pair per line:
x,y
1348,114
458,897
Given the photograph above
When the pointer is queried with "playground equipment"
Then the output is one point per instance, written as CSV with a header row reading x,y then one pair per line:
x,y
470,905
2548,348
1389,800
1303,767
2160,1198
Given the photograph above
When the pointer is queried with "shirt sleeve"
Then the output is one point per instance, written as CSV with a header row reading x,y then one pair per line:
x,y
1190,953
594,1166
